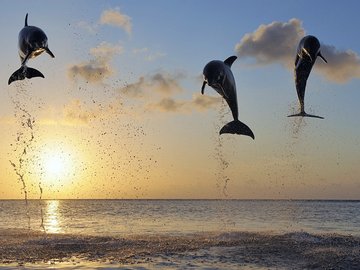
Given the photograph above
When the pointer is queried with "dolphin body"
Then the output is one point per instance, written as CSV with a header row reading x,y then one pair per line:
x,y
307,51
32,42
218,75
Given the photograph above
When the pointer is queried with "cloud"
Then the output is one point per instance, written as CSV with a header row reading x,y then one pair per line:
x,y
165,83
166,86
161,83
167,105
277,42
342,65
91,28
204,103
198,102
78,112
135,90
75,113
99,68
115,18
140,50
91,71
154,56
106,51
148,56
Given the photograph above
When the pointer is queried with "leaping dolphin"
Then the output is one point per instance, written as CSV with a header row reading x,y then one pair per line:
x,y
307,51
32,42
218,75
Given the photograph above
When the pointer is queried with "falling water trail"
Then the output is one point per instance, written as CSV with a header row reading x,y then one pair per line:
x,y
221,178
109,116
42,226
24,140
295,127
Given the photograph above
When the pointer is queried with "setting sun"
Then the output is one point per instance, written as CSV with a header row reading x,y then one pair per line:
x,y
56,163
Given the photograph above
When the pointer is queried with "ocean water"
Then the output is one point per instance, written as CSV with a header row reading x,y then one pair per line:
x,y
179,234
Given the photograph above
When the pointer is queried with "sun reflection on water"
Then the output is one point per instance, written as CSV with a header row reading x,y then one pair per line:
x,y
52,217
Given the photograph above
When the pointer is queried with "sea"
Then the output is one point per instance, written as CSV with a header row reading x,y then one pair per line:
x,y
179,234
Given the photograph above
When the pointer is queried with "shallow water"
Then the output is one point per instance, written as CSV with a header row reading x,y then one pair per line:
x,y
180,234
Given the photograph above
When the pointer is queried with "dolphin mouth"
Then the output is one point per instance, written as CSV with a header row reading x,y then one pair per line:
x,y
37,52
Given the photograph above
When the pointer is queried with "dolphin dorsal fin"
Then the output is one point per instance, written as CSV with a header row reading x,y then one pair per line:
x,y
26,24
229,61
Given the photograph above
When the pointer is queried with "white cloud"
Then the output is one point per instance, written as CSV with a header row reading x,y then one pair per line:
x,y
162,83
277,42
115,18
148,55
342,65
166,86
99,68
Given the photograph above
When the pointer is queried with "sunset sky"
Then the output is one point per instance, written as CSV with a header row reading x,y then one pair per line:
x,y
119,113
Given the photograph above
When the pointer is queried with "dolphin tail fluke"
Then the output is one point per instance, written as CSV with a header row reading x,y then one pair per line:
x,y
237,127
304,114
25,72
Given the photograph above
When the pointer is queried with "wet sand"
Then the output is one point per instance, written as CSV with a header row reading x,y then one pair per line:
x,y
298,250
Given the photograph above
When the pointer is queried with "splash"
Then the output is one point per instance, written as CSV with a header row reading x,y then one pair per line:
x,y
297,124
119,138
24,141
221,177
296,146
42,225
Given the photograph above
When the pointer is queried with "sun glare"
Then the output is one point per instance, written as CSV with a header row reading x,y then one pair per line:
x,y
56,164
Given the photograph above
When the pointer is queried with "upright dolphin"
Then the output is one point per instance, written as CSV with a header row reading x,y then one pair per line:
x,y
218,75
307,51
32,42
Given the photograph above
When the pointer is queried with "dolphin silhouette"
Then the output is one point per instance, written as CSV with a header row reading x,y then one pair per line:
x,y
32,42
218,75
307,52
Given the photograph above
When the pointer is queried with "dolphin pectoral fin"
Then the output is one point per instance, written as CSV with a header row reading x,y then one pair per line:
x,y
237,127
24,72
203,87
49,52
304,114
322,57
229,61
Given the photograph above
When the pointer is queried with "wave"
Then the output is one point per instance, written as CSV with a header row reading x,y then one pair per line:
x,y
218,250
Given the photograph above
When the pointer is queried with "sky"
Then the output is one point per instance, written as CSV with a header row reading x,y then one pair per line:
x,y
120,115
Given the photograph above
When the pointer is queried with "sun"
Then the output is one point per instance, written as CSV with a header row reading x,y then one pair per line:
x,y
56,163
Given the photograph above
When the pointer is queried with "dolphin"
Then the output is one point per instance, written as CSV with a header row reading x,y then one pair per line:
x,y
218,75
307,52
32,42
